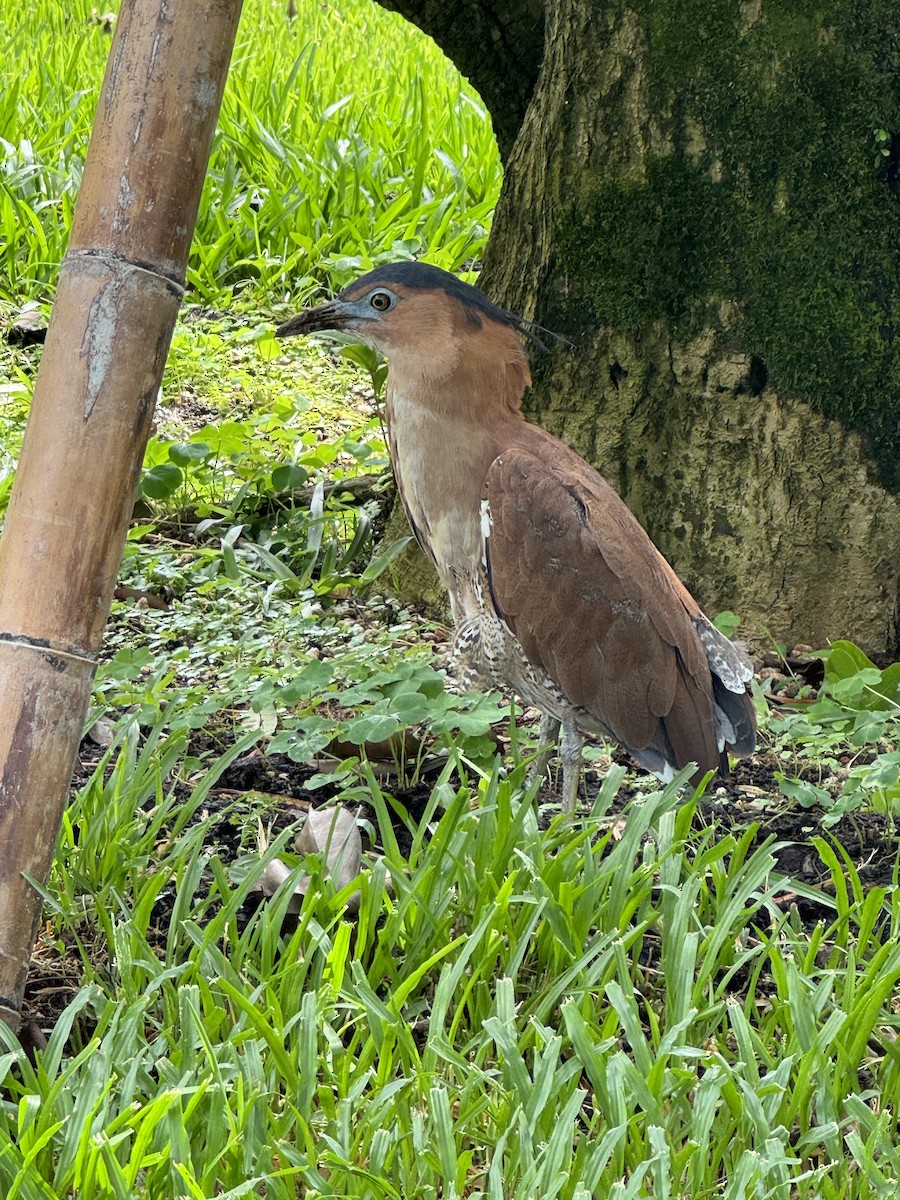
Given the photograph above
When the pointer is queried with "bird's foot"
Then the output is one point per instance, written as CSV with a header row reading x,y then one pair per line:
x,y
570,745
547,735
570,754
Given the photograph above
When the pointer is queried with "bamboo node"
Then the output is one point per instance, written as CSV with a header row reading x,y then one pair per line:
x,y
47,648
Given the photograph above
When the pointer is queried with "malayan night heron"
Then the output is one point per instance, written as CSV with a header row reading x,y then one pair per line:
x,y
556,590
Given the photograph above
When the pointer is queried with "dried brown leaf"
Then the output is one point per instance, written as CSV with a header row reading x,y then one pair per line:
x,y
334,834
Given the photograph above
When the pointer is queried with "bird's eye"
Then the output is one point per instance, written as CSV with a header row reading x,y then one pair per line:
x,y
381,301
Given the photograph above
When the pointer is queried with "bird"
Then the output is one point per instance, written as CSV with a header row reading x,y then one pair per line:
x,y
556,591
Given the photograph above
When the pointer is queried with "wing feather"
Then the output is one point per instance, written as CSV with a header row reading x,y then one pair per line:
x,y
593,602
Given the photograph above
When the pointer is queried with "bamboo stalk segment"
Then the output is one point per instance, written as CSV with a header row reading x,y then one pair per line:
x,y
74,490
119,291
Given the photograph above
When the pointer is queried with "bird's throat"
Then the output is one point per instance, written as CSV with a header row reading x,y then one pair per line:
x,y
440,465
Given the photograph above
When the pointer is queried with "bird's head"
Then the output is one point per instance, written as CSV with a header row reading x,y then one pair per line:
x,y
424,320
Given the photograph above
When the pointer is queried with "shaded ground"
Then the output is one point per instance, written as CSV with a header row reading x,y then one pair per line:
x,y
750,796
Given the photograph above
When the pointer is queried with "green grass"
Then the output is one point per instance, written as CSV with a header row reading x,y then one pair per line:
x,y
597,1009
345,137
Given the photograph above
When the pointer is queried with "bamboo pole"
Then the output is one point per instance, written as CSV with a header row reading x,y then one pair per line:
x,y
119,289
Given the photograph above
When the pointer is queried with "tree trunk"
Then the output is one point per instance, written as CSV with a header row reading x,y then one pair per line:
x,y
497,46
704,199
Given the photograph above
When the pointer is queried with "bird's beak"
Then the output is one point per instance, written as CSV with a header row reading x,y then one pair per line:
x,y
333,316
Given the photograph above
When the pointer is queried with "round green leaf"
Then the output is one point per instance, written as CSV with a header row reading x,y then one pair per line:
x,y
288,476
268,347
374,728
185,453
159,483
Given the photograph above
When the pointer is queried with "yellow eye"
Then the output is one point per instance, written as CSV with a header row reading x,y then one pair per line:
x,y
381,301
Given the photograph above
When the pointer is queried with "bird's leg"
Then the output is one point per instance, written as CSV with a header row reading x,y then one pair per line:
x,y
546,742
570,752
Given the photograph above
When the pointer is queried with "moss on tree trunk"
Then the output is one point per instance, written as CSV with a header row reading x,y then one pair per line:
x,y
703,197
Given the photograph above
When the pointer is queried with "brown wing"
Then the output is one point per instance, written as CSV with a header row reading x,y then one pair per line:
x,y
593,602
